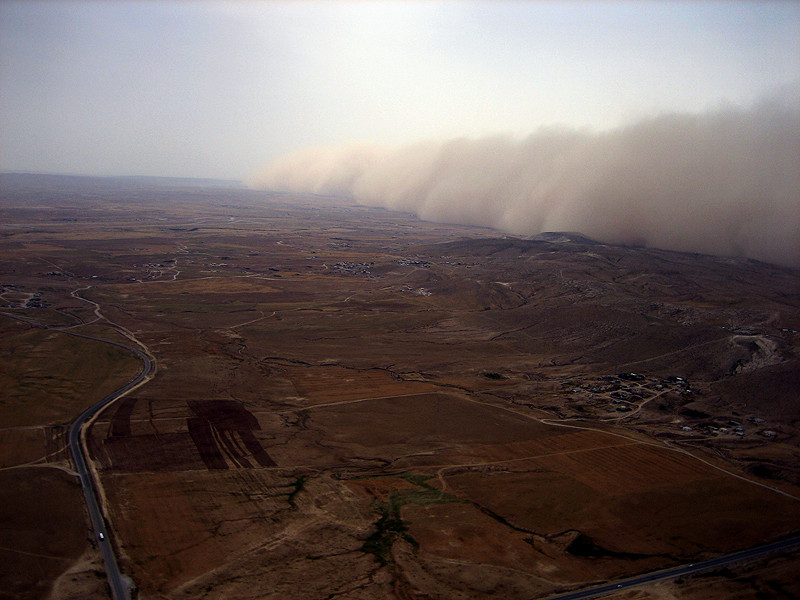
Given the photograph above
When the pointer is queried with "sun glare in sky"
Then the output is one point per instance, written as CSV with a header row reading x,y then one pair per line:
x,y
217,89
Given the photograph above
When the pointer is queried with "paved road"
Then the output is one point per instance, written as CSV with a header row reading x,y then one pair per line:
x,y
681,571
120,584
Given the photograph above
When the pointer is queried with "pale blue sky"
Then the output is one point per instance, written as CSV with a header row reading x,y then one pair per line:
x,y
217,89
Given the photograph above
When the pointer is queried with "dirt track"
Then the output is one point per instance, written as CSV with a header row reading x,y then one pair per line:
x,y
355,403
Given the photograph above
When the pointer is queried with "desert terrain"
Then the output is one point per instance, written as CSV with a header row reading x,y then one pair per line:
x,y
353,403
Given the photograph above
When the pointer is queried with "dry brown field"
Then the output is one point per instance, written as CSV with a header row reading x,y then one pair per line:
x,y
353,403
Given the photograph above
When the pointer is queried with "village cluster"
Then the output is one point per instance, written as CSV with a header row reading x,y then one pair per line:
x,y
617,397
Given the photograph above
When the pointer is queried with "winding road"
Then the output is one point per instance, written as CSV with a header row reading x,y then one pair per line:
x,y
680,571
120,584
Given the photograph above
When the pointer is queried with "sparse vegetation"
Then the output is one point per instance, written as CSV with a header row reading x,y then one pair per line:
x,y
297,487
390,525
351,416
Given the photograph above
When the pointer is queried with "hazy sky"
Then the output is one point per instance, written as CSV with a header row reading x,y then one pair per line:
x,y
218,89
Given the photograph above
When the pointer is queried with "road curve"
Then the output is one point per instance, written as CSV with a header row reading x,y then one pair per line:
x,y
680,571
119,584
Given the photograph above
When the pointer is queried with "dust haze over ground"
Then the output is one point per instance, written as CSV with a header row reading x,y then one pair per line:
x,y
723,182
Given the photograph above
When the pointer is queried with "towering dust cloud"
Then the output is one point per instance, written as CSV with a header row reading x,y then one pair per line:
x,y
725,182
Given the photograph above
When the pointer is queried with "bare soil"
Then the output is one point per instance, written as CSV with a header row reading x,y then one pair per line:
x,y
352,403
43,530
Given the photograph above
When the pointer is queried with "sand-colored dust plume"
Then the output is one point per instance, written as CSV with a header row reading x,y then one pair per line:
x,y
724,182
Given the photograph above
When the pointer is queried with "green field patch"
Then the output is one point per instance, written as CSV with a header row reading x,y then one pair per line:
x,y
390,526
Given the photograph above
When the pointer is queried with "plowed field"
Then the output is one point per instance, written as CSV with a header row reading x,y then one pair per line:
x,y
353,403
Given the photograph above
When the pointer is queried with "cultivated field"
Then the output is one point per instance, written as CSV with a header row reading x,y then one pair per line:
x,y
352,403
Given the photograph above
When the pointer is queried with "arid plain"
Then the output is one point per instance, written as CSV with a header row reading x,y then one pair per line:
x,y
353,403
